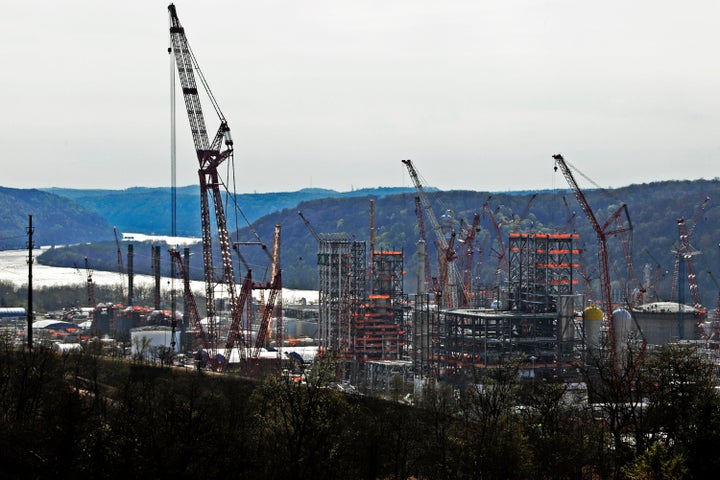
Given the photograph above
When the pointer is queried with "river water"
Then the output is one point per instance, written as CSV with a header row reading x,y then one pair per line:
x,y
14,269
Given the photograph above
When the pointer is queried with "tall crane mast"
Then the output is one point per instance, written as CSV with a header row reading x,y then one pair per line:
x,y
191,305
683,257
452,278
314,233
427,277
503,264
714,333
121,269
602,232
274,301
90,284
468,258
210,155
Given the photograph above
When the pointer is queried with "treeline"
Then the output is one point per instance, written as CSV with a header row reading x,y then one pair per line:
x,y
148,210
56,298
56,220
654,210
84,415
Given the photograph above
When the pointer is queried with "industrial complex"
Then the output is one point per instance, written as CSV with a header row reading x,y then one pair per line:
x,y
451,328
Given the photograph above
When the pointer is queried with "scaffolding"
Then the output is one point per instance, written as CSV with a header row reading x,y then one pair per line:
x,y
425,348
538,326
473,340
541,270
341,272
380,328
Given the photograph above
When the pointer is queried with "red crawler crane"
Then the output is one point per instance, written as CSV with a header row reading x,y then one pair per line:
x,y
468,257
210,156
274,301
501,252
206,340
602,232
449,276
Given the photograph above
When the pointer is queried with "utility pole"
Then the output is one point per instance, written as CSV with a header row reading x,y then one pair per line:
x,y
30,231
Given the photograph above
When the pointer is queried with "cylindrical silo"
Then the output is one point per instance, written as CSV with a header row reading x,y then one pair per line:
x,y
592,324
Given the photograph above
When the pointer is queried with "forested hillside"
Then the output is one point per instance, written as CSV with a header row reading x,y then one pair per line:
x,y
60,220
148,210
654,209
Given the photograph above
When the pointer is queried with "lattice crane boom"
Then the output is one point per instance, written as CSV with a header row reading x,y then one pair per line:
x,y
121,269
90,284
469,258
503,264
189,298
210,155
312,230
445,250
275,292
602,232
421,231
716,312
683,257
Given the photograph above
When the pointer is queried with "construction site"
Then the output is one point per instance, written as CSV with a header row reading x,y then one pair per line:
x,y
542,311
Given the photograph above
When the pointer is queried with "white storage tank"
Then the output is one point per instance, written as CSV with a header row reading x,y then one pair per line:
x,y
148,341
592,323
624,325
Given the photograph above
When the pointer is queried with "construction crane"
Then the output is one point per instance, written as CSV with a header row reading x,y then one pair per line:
x,y
309,227
517,220
683,258
602,232
274,301
503,265
121,269
426,260
90,284
206,339
651,283
468,258
636,290
713,336
210,155
449,277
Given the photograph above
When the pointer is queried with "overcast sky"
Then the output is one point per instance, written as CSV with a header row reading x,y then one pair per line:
x,y
333,94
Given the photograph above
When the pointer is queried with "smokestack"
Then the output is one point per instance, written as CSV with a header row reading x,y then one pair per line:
x,y
421,253
131,274
156,273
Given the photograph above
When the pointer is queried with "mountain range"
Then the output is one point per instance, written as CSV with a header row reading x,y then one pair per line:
x,y
69,216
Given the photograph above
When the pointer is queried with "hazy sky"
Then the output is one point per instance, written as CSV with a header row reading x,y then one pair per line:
x,y
333,94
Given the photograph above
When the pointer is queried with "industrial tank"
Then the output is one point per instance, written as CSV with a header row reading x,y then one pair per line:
x,y
663,322
592,323
624,325
147,340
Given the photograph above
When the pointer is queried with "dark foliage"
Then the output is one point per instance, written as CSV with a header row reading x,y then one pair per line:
x,y
87,416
